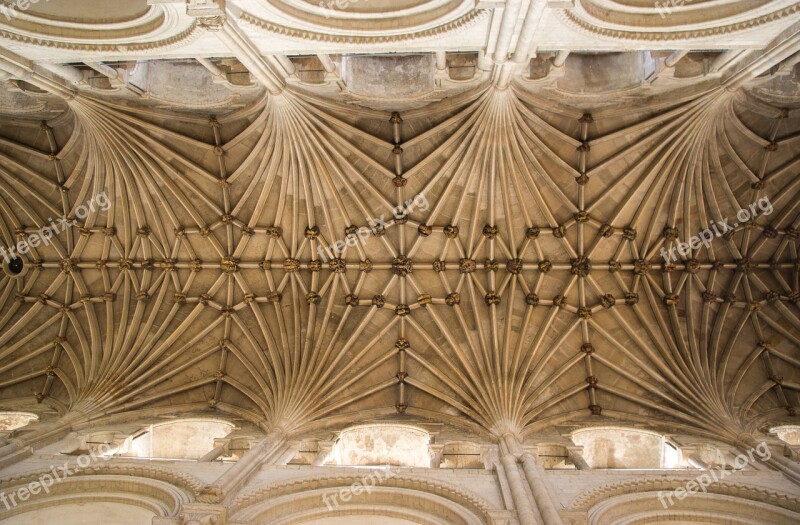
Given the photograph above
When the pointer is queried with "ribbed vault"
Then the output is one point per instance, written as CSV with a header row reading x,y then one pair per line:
x,y
526,288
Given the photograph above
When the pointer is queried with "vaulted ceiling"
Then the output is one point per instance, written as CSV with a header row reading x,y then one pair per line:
x,y
526,288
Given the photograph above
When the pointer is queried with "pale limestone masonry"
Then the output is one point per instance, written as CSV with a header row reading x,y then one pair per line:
x,y
276,492
516,351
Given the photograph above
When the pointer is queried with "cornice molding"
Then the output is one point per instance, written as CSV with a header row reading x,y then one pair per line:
x,y
178,40
581,21
457,25
169,30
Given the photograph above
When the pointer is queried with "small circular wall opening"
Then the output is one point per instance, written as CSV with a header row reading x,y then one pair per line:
x,y
15,267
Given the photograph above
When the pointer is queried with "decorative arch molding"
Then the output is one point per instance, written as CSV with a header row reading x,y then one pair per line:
x,y
595,496
300,501
459,24
161,27
357,18
608,19
350,511
642,508
151,489
181,486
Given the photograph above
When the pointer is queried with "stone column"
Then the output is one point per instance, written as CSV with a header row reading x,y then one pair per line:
x,y
113,75
725,59
15,66
441,60
791,469
213,454
323,453
436,453
327,64
217,75
215,16
508,23
68,73
221,446
45,433
488,456
441,68
675,57
287,64
202,514
575,455
484,62
695,461
233,479
288,453
561,58
541,495
526,512
523,47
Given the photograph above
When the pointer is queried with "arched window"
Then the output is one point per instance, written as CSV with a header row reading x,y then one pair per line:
x,y
630,69
789,434
383,445
183,439
612,447
13,420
